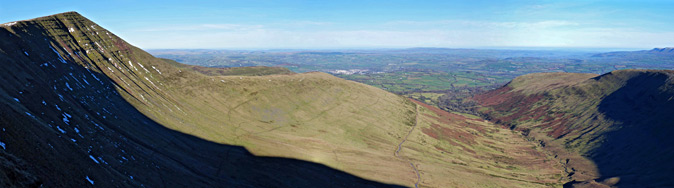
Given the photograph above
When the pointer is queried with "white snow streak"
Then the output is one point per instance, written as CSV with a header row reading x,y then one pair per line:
x,y
134,67
141,66
65,118
61,130
90,181
156,69
68,85
92,158
57,53
31,115
10,24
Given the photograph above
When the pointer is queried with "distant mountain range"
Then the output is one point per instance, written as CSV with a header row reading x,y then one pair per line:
x,y
654,53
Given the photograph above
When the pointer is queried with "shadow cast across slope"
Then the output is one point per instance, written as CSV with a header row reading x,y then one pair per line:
x,y
639,150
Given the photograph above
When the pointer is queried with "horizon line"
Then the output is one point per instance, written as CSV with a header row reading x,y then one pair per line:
x,y
526,48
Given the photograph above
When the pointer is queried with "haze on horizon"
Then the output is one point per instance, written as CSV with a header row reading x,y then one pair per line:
x,y
261,24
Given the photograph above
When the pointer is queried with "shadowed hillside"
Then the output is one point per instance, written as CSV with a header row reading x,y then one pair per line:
x,y
99,101
620,121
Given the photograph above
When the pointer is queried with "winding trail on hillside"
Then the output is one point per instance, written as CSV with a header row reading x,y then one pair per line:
x,y
400,146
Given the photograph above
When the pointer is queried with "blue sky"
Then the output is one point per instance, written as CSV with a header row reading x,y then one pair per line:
x,y
262,24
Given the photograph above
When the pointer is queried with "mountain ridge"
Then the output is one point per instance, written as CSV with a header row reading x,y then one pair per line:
x,y
61,113
617,122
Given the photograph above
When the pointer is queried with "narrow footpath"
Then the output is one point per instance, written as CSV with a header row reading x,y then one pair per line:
x,y
400,147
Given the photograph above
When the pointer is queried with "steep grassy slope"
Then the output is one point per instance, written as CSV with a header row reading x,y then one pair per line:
x,y
620,121
105,82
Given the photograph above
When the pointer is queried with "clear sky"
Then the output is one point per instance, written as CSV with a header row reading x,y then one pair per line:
x,y
268,24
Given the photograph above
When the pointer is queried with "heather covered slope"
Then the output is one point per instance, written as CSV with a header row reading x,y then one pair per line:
x,y
69,61
620,121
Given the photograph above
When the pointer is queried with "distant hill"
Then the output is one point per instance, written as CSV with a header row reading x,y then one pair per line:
x,y
668,50
233,71
82,107
655,54
621,122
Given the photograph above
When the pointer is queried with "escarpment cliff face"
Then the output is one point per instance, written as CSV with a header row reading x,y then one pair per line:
x,y
78,99
619,121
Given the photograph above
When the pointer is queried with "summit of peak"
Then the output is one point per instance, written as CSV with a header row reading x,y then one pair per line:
x,y
69,14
